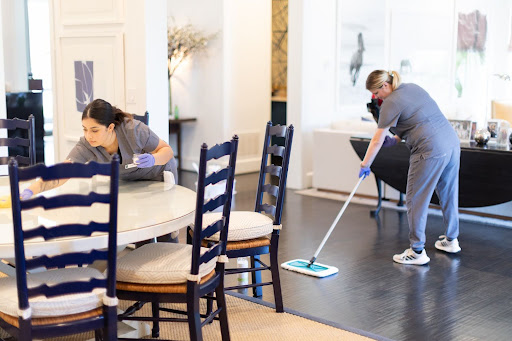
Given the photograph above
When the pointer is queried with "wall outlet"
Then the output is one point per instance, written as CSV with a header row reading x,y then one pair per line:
x,y
131,96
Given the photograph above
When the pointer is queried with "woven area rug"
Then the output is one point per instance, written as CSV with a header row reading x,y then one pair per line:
x,y
249,320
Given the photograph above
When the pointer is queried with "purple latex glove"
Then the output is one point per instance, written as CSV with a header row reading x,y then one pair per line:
x,y
364,172
145,160
26,194
389,141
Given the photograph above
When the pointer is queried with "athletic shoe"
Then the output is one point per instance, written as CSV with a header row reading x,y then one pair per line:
x,y
411,257
447,246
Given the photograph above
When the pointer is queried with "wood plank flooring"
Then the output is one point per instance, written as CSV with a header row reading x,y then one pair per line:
x,y
456,297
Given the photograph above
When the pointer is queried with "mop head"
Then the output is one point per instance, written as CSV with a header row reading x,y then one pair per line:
x,y
316,269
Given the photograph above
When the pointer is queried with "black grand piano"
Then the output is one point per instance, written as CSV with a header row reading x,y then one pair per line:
x,y
485,172
22,105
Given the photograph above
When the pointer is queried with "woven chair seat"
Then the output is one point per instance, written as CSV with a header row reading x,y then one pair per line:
x,y
243,225
159,288
13,320
244,244
160,263
43,307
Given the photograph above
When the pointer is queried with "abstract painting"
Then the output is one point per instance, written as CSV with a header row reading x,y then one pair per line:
x,y
84,77
360,49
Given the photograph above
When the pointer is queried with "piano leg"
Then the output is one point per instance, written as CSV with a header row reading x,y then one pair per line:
x,y
374,213
401,200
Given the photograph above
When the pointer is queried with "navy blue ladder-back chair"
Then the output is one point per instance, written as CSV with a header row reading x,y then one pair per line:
x,y
252,234
15,142
62,300
183,273
143,118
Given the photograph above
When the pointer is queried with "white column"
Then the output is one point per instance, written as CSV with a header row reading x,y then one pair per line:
x,y
157,103
311,80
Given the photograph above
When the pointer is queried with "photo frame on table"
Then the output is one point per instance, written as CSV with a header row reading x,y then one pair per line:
x,y
498,129
465,129
493,127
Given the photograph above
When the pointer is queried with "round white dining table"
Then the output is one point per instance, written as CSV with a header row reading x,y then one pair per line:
x,y
146,209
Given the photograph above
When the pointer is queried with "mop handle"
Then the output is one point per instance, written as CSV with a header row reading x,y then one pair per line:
x,y
336,220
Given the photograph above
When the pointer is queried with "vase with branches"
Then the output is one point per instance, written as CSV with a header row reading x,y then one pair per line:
x,y
182,42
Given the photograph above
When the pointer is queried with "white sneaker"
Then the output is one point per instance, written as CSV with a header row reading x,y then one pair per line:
x,y
411,257
447,246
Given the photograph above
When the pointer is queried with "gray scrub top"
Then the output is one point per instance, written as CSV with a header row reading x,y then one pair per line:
x,y
134,137
414,116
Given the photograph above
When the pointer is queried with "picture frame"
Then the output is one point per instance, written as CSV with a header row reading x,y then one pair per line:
x,y
498,129
465,129
359,49
473,130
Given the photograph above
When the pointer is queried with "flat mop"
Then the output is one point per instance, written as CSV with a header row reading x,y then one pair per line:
x,y
317,269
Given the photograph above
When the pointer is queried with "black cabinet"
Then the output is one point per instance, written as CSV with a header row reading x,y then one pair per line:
x,y
22,105
278,115
484,178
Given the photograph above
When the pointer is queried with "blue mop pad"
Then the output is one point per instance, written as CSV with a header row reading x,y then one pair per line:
x,y
316,269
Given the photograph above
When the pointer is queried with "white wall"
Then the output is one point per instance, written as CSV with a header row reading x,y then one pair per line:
x,y
3,109
14,41
197,85
135,58
228,87
145,58
311,80
247,77
156,91
127,42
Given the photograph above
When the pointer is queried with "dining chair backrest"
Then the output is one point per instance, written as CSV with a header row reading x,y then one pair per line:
x,y
267,184
19,142
53,173
143,118
226,174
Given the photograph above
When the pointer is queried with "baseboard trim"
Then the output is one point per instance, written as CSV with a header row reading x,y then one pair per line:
x,y
435,207
243,165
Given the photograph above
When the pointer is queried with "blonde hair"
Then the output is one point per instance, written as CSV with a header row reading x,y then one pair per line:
x,y
377,78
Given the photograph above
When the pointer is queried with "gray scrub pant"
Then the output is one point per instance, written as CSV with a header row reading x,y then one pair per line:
x,y
426,175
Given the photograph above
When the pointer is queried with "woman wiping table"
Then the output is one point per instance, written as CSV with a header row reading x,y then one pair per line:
x,y
109,130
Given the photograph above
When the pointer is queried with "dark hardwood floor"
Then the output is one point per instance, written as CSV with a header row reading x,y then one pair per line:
x,y
456,297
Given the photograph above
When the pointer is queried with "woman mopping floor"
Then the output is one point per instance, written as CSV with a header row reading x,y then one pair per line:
x,y
411,114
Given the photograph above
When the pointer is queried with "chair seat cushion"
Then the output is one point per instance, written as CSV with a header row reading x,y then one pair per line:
x,y
41,321
243,225
160,263
180,288
54,306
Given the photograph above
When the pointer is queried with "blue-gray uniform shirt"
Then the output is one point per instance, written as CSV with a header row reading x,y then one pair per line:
x,y
414,116
134,137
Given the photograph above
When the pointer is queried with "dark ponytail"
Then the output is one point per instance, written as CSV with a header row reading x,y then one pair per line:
x,y
105,113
